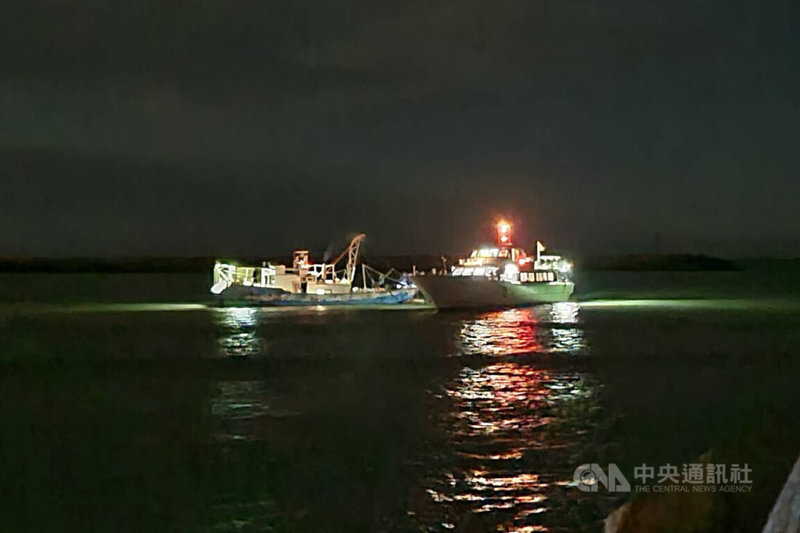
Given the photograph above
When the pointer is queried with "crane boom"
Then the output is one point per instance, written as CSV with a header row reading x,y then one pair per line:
x,y
352,256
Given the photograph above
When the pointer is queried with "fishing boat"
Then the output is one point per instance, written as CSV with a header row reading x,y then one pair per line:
x,y
500,276
306,283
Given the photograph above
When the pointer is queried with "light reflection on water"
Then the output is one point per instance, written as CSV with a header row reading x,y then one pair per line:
x,y
244,413
510,422
510,435
553,328
499,333
238,402
239,331
235,405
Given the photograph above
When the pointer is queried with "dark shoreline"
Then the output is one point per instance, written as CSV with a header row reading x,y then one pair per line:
x,y
624,263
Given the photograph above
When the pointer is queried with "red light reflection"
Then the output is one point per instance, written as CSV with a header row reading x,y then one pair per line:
x,y
509,332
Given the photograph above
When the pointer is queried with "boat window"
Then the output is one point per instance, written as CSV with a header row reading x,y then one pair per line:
x,y
486,253
480,271
458,271
468,271
545,276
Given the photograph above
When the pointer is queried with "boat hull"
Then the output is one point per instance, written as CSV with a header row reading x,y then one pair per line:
x,y
448,292
261,297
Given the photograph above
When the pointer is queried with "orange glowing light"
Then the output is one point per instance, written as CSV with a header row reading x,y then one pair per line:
x,y
503,232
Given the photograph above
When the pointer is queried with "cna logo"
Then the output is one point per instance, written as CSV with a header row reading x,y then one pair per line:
x,y
588,477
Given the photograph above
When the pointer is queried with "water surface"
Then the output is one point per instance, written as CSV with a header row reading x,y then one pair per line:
x,y
126,403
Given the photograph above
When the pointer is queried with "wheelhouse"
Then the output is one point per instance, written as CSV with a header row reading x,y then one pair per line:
x,y
510,264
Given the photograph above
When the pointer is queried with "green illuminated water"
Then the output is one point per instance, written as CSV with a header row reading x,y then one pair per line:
x,y
126,403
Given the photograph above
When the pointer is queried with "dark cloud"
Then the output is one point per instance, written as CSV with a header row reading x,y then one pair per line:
x,y
192,127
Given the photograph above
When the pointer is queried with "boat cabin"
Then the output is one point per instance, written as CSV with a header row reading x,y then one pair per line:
x,y
513,265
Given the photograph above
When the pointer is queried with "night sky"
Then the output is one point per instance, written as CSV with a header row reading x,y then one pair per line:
x,y
252,127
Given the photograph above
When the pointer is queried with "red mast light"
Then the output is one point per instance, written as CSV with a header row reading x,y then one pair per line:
x,y
503,233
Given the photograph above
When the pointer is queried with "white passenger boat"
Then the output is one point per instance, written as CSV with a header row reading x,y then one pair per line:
x,y
500,276
304,283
